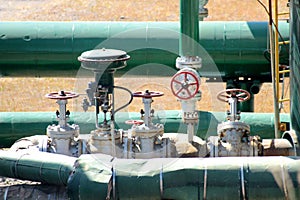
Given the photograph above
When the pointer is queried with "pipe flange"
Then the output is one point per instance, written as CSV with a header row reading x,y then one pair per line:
x,y
193,62
68,132
229,125
103,134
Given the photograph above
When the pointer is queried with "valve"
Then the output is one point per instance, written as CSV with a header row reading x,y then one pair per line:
x,y
64,137
147,100
233,96
185,84
62,98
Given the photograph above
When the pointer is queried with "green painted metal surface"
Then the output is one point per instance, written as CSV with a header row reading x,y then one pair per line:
x,y
295,65
98,176
15,125
189,27
51,48
187,178
42,167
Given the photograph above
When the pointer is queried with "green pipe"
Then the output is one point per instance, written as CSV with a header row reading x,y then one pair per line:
x,y
42,167
16,125
189,27
295,65
247,106
99,176
185,178
228,49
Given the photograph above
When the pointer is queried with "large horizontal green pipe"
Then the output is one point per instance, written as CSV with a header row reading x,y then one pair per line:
x,y
98,176
238,49
42,167
16,125
186,178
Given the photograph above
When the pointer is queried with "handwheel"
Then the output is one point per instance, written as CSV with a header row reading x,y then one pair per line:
x,y
240,94
137,122
148,94
62,95
185,85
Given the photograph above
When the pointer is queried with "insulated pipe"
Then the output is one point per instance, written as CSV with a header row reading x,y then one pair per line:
x,y
16,125
36,166
51,48
100,177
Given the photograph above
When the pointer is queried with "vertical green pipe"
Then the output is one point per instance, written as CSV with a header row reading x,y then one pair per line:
x,y
189,27
246,106
295,65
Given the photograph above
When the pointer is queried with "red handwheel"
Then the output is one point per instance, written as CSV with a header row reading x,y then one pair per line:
x,y
240,94
185,85
148,94
62,95
137,122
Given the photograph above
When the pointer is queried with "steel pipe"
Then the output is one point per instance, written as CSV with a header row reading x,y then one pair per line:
x,y
16,125
228,49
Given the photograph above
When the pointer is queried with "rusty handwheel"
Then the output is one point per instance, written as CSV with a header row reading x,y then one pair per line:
x,y
240,94
148,94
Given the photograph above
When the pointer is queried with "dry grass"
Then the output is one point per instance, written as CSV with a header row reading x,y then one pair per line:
x,y
27,94
129,10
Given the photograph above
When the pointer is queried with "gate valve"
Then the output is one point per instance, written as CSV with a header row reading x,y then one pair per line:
x,y
147,100
62,98
185,84
233,96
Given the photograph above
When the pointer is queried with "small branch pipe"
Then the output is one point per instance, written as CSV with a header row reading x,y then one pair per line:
x,y
255,87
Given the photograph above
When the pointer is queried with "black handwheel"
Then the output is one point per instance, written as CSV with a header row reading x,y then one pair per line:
x,y
62,95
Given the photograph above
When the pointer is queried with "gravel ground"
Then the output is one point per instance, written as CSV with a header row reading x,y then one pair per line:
x,y
15,189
